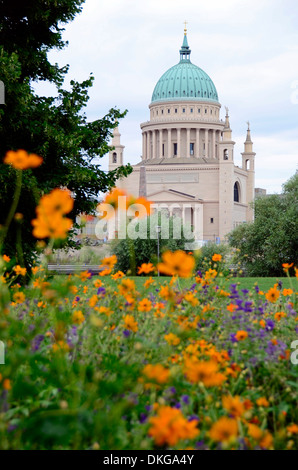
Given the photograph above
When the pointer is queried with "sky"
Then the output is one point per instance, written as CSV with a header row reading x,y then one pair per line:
x,y
249,48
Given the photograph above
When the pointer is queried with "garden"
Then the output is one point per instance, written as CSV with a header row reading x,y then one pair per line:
x,y
187,360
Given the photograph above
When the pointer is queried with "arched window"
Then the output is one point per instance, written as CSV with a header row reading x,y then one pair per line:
x,y
236,192
114,157
226,154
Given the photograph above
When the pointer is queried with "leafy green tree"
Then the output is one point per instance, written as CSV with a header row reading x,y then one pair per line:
x,y
55,128
271,239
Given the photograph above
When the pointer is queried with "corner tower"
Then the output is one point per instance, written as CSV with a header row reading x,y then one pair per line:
x,y
116,155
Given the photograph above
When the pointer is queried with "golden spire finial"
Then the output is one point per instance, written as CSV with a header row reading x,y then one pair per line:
x,y
185,29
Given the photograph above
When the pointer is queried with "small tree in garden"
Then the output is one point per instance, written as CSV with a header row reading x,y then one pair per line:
x,y
271,240
132,253
55,128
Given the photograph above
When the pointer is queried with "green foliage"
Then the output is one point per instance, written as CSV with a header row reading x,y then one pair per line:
x,y
271,240
204,256
55,128
132,253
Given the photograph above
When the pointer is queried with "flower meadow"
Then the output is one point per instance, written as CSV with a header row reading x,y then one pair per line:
x,y
106,362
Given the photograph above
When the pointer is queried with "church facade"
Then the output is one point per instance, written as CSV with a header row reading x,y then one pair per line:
x,y
187,166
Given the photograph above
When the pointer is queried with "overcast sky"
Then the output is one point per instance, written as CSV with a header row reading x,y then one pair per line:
x,y
249,48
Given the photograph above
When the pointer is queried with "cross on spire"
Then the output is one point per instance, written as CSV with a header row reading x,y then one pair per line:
x,y
185,29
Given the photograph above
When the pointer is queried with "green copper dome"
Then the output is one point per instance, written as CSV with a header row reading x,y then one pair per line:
x,y
185,81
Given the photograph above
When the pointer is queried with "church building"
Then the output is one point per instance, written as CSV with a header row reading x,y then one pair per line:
x,y
187,165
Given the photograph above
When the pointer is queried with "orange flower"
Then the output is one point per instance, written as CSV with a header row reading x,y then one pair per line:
x,y
232,308
190,297
166,293
287,292
20,271
279,315
170,426
50,211
272,295
84,275
143,202
177,264
97,283
148,282
224,430
78,317
109,262
233,405
287,266
172,339
130,323
105,272
6,258
146,268
203,371
145,305
156,372
118,275
241,335
127,286
7,384
293,429
112,198
216,257
19,297
262,401
21,160
93,301
210,274
105,310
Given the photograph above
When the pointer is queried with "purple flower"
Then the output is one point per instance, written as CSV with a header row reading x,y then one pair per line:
x,y
270,325
126,333
143,418
101,291
185,399
36,342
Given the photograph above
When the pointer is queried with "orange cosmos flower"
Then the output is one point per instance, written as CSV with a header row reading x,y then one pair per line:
x,y
146,268
118,275
156,372
130,323
127,286
190,297
141,201
177,264
287,266
20,271
78,317
287,292
172,339
97,283
166,293
272,295
19,297
241,335
148,282
109,262
145,305
279,315
21,160
232,308
210,274
105,310
224,430
293,429
203,371
6,258
233,405
262,401
50,222
112,197
170,426
216,257
84,275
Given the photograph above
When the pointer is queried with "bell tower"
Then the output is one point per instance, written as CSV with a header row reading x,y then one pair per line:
x,y
248,164
116,155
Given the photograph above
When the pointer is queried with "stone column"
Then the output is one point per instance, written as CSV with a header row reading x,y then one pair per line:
x,y
169,143
160,144
154,144
188,143
178,142
213,143
148,144
206,144
197,144
144,146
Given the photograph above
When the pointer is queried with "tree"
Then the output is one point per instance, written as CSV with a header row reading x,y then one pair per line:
x,y
271,239
55,128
